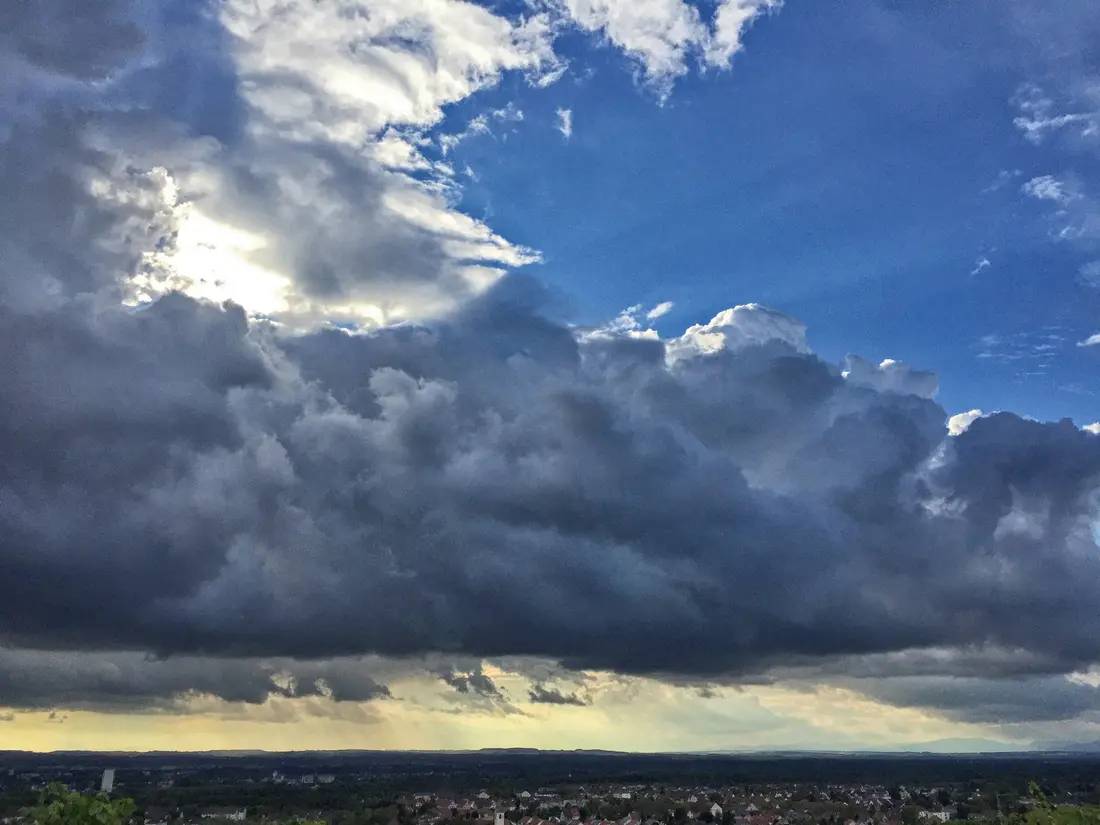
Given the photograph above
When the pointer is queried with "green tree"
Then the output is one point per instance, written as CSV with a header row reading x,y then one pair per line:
x,y
59,806
1045,812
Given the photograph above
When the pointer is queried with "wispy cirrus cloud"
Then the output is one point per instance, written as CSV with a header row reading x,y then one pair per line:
x,y
483,124
1050,188
1076,213
1030,351
1042,117
982,262
1089,274
662,309
565,122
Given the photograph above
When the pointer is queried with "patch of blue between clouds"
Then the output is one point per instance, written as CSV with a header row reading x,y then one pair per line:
x,y
851,169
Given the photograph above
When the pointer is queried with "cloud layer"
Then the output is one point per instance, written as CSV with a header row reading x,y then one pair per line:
x,y
131,681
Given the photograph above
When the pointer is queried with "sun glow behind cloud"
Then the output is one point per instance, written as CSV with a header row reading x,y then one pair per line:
x,y
214,261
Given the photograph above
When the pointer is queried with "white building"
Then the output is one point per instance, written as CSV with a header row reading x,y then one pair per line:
x,y
716,811
108,783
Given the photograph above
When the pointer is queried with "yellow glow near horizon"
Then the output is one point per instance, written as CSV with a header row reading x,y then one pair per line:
x,y
626,714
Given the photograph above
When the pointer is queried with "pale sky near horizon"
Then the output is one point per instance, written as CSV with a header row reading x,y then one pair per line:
x,y
640,716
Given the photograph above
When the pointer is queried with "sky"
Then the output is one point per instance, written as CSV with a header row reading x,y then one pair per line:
x,y
651,375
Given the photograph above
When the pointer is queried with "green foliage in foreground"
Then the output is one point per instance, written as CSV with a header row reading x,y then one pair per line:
x,y
59,806
1064,815
1046,813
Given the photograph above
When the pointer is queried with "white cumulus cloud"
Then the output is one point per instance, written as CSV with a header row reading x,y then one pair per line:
x,y
730,22
960,423
662,36
890,376
344,214
737,328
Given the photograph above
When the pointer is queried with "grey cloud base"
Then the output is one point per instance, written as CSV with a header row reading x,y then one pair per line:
x,y
132,682
543,695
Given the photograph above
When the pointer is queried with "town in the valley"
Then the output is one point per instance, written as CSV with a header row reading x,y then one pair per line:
x,y
584,788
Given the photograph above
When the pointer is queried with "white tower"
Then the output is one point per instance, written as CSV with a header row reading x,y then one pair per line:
x,y
108,783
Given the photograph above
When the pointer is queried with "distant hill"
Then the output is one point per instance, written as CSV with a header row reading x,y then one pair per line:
x,y
1071,747
935,747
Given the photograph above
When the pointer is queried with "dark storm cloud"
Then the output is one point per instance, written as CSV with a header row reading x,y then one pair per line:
x,y
475,682
84,39
1032,699
543,695
488,500
510,490
72,216
182,481
114,681
970,661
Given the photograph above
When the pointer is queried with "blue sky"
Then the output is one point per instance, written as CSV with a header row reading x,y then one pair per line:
x,y
853,168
